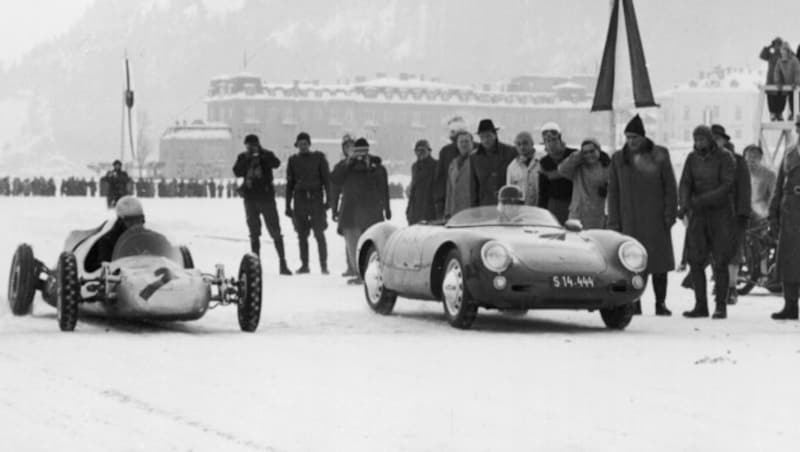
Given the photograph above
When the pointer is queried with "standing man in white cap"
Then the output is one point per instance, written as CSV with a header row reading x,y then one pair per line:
x,y
555,190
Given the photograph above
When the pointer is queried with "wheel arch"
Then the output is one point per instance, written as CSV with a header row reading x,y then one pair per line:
x,y
375,236
437,266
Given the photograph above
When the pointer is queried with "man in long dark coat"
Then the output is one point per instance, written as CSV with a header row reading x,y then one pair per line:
x,y
118,184
365,196
642,203
705,194
784,215
555,190
488,165
420,190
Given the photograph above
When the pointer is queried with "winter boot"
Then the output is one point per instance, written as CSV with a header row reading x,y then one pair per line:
x,y
303,242
303,269
733,296
637,307
284,270
661,309
323,268
789,312
255,246
721,311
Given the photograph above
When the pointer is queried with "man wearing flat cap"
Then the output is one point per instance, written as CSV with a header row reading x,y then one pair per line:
x,y
488,165
706,196
308,186
742,204
642,203
255,166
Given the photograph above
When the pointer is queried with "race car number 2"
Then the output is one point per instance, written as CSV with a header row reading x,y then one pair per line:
x,y
572,282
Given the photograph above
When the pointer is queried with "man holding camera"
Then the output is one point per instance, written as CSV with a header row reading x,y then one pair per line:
x,y
255,166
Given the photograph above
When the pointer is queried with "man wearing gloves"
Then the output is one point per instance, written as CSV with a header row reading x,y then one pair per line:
x,y
308,185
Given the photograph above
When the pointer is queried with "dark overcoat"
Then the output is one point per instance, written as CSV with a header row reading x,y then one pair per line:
x,y
642,201
488,172
420,191
785,212
365,192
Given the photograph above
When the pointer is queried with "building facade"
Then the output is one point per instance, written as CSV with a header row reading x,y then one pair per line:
x,y
392,113
199,150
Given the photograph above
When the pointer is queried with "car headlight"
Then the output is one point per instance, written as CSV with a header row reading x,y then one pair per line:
x,y
495,256
633,256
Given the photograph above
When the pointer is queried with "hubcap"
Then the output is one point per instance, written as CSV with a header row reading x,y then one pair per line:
x,y
453,287
373,278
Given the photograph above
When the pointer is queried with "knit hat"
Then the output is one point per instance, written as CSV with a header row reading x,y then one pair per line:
x,y
635,126
422,144
347,138
251,139
302,136
510,194
116,162
703,131
128,207
361,143
551,127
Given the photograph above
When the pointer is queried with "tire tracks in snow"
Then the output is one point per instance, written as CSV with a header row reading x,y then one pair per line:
x,y
122,398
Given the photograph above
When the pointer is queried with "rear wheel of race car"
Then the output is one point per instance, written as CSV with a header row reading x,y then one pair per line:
x,y
22,280
186,255
249,306
458,305
68,291
618,317
379,298
746,275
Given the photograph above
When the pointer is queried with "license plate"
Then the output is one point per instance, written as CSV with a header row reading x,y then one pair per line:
x,y
572,282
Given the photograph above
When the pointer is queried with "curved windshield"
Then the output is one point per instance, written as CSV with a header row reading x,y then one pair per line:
x,y
139,241
503,215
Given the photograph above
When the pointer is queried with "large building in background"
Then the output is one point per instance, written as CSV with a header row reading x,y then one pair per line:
x,y
198,150
393,113
727,96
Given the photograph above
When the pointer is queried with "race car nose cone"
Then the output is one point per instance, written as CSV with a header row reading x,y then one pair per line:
x,y
499,282
637,282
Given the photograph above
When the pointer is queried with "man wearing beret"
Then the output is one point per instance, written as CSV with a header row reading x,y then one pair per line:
x,y
706,196
308,185
255,167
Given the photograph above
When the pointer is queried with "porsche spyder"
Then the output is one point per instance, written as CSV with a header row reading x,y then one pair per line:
x,y
146,278
488,258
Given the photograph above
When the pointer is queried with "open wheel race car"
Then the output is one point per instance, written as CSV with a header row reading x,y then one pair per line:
x,y
146,278
511,260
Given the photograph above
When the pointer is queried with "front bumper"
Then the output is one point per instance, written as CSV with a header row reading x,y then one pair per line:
x,y
525,289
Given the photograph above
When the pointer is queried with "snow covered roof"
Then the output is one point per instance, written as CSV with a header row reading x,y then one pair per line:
x,y
205,131
568,85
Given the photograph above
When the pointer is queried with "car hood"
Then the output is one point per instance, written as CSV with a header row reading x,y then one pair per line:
x,y
551,250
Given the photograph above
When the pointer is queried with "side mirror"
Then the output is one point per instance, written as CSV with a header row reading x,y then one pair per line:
x,y
573,226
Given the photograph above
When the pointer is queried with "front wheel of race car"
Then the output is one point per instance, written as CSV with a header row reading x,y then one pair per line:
x,y
68,291
22,280
459,307
249,307
379,298
618,317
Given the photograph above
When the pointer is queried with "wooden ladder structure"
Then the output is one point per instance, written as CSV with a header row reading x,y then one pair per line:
x,y
774,137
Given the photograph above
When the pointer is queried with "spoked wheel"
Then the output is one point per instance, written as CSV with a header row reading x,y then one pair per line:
x,y
68,291
186,255
748,268
249,307
379,298
458,305
618,317
22,281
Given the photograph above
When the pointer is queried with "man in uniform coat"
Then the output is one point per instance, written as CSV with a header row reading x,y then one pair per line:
x,y
308,184
705,194
365,196
784,216
255,166
420,190
642,203
118,184
488,165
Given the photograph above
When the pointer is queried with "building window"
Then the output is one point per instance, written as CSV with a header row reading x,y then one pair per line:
x,y
250,113
738,134
715,114
738,112
686,115
687,135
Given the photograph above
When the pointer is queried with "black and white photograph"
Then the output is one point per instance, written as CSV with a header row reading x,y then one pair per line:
x,y
399,225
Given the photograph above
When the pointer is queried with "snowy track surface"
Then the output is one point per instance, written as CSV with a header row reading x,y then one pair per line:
x,y
324,373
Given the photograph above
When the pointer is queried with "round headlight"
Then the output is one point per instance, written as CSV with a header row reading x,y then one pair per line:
x,y
495,256
633,256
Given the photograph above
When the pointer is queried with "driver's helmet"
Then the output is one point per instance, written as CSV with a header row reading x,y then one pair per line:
x,y
510,194
129,207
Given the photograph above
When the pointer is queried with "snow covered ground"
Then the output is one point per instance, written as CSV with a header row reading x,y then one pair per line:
x,y
324,373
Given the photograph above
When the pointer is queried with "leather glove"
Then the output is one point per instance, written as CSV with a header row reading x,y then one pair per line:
x,y
388,214
335,216
289,212
682,212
